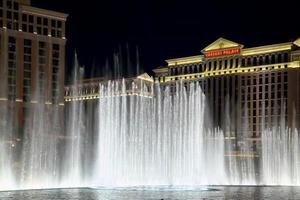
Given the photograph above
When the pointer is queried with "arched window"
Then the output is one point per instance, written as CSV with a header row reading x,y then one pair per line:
x,y
204,67
249,61
279,58
254,61
243,62
273,59
286,57
261,60
267,59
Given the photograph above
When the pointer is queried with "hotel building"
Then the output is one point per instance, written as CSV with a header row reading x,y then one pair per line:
x,y
89,89
256,88
32,57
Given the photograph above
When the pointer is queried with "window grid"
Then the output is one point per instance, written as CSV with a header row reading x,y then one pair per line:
x,y
55,72
27,70
12,68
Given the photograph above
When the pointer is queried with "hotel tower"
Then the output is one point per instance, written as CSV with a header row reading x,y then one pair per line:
x,y
32,57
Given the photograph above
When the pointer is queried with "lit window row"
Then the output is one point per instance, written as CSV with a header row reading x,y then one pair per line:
x,y
265,59
55,72
28,23
27,70
12,70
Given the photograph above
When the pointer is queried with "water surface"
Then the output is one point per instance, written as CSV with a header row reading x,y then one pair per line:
x,y
218,193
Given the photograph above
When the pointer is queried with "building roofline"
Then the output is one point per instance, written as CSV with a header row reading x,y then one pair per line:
x,y
297,42
244,52
24,2
267,48
160,69
185,60
44,13
228,43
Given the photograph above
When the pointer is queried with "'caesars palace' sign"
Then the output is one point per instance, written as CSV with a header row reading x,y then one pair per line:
x,y
222,52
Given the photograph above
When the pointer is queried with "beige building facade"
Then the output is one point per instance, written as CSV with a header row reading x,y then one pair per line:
x,y
249,89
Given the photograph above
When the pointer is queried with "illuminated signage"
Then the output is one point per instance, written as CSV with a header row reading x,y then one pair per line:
x,y
222,52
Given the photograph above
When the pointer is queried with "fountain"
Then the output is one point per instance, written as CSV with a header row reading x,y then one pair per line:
x,y
74,137
157,140
139,134
7,145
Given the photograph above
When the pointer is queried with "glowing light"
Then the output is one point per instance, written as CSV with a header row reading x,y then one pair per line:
x,y
222,52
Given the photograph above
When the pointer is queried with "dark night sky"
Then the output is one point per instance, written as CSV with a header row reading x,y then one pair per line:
x,y
165,29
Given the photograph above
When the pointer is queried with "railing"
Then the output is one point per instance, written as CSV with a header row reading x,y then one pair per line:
x,y
97,95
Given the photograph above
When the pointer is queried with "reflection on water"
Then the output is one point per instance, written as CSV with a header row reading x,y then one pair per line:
x,y
218,193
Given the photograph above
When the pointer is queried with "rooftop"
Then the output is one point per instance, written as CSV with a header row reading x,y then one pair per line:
x,y
43,12
224,44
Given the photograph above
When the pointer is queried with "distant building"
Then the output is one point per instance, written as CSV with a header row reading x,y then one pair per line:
x,y
84,97
249,89
89,89
32,56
